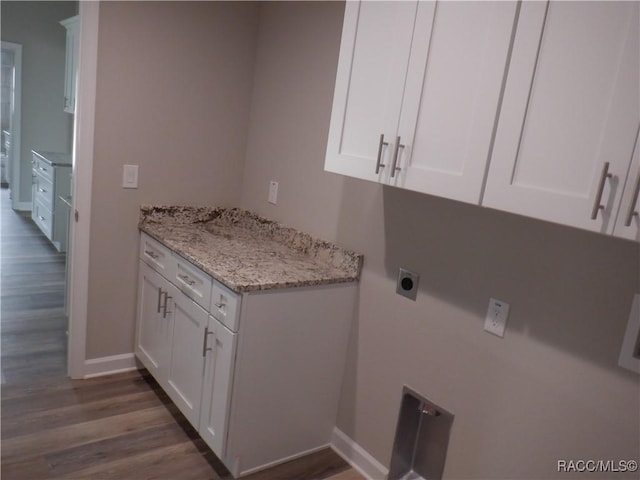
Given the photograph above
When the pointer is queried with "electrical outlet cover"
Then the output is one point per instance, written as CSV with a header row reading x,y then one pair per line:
x,y
497,315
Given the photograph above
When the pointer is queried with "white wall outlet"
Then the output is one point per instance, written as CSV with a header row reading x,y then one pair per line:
x,y
273,192
130,176
497,315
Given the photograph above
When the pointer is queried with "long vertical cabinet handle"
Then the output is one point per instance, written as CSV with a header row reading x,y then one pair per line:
x,y
379,163
632,206
394,167
166,301
160,292
205,349
603,178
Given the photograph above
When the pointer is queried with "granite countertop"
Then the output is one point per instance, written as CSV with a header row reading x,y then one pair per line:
x,y
55,159
247,252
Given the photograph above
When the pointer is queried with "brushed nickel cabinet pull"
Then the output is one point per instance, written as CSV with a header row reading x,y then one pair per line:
x,y
632,212
382,143
187,280
159,299
41,190
40,217
603,178
204,345
152,254
394,167
166,301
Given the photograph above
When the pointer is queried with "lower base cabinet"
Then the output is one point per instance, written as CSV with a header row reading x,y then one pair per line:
x,y
262,394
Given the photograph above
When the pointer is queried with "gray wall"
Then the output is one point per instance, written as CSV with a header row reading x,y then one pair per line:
x,y
549,390
173,91
45,126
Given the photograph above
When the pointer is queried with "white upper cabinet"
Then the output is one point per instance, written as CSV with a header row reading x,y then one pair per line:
x,y
417,93
570,115
374,53
452,92
628,220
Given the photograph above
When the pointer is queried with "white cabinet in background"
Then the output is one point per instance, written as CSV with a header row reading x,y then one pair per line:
x,y
570,114
628,219
417,93
71,63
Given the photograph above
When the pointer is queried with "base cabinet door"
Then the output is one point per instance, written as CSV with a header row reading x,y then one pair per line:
x,y
570,115
186,357
220,351
154,326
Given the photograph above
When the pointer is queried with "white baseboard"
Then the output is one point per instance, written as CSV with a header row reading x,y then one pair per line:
x,y
96,367
357,456
24,206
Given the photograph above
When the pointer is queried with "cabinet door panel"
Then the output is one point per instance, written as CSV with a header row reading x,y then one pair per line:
x,y
450,106
216,394
570,105
628,220
376,40
184,377
153,330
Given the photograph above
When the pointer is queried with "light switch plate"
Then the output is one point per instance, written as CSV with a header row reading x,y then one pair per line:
x,y
130,176
497,315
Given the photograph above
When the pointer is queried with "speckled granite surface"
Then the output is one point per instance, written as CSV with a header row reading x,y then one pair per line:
x,y
247,252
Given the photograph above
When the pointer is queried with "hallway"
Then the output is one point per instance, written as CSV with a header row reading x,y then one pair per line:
x,y
34,340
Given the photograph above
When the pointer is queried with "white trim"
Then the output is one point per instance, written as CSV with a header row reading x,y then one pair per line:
x,y
21,206
84,123
16,127
357,456
97,367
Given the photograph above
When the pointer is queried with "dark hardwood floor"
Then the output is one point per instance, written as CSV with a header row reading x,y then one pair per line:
x,y
119,427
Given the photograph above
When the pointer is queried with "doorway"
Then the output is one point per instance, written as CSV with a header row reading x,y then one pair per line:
x,y
10,100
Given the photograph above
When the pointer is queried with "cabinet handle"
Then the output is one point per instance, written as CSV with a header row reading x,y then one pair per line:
x,y
187,280
632,206
166,301
42,190
40,217
204,345
394,167
603,178
43,169
152,254
380,165
159,299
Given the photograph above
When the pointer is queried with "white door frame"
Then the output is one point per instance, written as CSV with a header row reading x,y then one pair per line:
x,y
84,122
16,126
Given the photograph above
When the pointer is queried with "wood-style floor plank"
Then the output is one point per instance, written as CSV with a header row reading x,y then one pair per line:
x,y
116,427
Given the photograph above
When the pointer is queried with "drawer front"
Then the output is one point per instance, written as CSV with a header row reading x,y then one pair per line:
x,y
157,256
192,281
43,218
44,191
44,169
225,306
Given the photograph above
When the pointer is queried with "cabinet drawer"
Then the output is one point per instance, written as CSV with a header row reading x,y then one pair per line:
x,y
157,256
225,306
192,281
43,168
44,191
43,218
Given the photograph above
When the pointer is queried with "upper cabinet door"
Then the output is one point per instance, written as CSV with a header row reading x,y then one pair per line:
x,y
451,99
374,53
570,115
628,220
